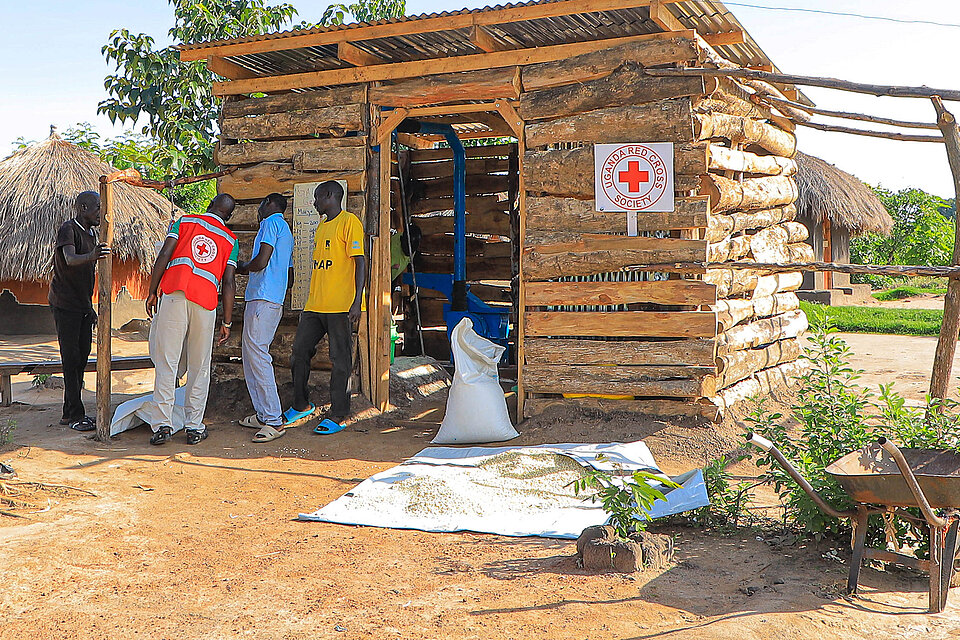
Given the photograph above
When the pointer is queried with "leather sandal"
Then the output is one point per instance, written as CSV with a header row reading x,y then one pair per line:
x,y
194,436
161,436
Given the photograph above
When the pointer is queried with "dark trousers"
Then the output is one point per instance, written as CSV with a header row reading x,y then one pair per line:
x,y
310,331
75,335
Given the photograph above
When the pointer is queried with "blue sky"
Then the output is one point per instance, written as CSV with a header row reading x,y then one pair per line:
x,y
53,71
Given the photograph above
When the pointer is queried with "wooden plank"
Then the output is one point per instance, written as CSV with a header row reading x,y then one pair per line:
x,y
294,123
478,268
317,37
637,381
484,84
570,172
260,180
637,324
352,54
626,86
345,159
724,38
653,407
485,41
475,205
681,292
559,216
227,69
665,121
482,184
442,244
697,352
597,64
245,215
417,68
381,288
611,253
279,150
484,151
444,168
660,13
520,330
104,267
284,102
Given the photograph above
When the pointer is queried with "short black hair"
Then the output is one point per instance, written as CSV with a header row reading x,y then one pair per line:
x,y
277,200
332,187
87,201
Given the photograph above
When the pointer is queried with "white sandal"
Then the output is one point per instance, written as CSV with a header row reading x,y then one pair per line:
x,y
252,421
268,433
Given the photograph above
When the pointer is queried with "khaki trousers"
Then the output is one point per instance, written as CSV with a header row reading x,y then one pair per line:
x,y
181,330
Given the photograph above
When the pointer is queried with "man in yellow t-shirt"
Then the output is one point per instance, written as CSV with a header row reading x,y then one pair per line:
x,y
333,305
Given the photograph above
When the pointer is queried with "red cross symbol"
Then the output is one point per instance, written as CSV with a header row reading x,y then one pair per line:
x,y
202,249
633,177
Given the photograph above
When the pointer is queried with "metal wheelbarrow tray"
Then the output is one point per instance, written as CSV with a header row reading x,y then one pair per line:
x,y
882,479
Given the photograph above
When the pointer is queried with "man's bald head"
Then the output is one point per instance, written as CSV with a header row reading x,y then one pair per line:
x,y
222,205
87,207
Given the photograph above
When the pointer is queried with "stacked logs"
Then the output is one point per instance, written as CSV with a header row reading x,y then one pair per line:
x,y
278,141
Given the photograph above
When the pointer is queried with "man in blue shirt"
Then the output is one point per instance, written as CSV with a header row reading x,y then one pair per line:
x,y
269,274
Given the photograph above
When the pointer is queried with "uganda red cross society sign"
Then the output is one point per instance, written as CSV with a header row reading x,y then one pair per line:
x,y
634,177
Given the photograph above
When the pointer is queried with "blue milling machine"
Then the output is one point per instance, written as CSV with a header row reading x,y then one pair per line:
x,y
493,323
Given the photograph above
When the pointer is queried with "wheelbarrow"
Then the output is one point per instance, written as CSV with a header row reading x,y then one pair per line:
x,y
882,479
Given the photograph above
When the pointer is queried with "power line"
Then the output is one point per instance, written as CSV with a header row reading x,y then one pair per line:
x,y
846,14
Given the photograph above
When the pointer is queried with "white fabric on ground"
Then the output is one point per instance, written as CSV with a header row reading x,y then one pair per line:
x,y
133,413
181,330
260,321
514,491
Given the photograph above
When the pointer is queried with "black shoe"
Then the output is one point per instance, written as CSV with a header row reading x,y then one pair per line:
x,y
85,423
196,435
162,436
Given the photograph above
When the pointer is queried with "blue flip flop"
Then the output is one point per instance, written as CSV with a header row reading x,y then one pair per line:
x,y
291,415
328,427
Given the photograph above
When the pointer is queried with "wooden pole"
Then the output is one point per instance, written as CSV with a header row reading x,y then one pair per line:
x,y
104,308
902,137
773,100
812,81
947,342
780,267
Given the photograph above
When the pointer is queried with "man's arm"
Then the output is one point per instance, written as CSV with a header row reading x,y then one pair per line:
x,y
163,258
360,274
228,293
259,262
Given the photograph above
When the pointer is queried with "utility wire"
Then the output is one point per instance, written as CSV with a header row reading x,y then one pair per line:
x,y
847,14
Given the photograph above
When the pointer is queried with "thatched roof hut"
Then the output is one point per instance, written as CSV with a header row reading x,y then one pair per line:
x,y
827,192
38,186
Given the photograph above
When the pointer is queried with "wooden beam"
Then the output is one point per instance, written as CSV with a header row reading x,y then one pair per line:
x,y
511,117
637,324
660,14
416,68
483,84
635,381
485,41
352,54
889,135
679,292
694,352
227,69
947,342
104,309
724,38
653,407
298,40
843,114
388,124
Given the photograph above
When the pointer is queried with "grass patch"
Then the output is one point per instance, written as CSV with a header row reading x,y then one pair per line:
x,y
908,322
907,291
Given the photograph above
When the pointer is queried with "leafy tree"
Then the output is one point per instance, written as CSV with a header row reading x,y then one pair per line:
x,y
363,11
921,233
175,97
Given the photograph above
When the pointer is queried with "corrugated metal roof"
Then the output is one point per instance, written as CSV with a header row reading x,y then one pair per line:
x,y
706,17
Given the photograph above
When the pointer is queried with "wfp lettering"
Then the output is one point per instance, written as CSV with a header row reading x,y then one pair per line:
x,y
322,264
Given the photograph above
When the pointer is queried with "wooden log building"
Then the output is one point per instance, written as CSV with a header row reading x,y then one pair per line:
x,y
596,312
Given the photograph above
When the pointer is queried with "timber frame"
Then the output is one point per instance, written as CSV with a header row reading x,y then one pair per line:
x,y
601,318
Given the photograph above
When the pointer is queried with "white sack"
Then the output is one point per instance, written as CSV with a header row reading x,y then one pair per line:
x,y
476,407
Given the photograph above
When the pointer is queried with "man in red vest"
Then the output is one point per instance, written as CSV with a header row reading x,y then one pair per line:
x,y
195,266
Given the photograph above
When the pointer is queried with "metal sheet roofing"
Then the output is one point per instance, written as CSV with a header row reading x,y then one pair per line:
x,y
400,45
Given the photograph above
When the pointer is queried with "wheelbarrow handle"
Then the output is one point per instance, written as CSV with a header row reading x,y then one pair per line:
x,y
769,447
928,514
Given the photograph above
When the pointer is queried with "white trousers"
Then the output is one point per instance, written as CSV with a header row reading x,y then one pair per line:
x,y
260,321
184,329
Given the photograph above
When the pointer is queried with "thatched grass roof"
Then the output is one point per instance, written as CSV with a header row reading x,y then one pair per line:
x,y
38,186
828,192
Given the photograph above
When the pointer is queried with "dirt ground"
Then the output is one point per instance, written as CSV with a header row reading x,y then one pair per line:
x,y
202,542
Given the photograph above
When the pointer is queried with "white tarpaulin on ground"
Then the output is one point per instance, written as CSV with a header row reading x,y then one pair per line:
x,y
133,413
513,491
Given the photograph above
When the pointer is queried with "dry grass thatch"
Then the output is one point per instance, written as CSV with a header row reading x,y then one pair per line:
x,y
826,191
38,186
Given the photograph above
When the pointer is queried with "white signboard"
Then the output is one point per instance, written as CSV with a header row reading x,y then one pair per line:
x,y
305,223
634,177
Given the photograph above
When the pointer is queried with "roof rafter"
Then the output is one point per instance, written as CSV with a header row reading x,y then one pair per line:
x,y
352,54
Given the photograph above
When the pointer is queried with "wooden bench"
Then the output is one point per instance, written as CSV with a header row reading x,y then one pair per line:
x,y
10,369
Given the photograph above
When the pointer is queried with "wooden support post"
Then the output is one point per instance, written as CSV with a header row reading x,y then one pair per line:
x,y
104,307
380,289
947,343
521,293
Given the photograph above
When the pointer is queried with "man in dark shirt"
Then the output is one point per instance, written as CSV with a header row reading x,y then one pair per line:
x,y
71,298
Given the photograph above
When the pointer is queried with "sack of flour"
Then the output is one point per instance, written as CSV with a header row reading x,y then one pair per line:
x,y
476,407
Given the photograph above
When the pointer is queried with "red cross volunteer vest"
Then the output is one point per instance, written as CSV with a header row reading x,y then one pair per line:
x,y
205,246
